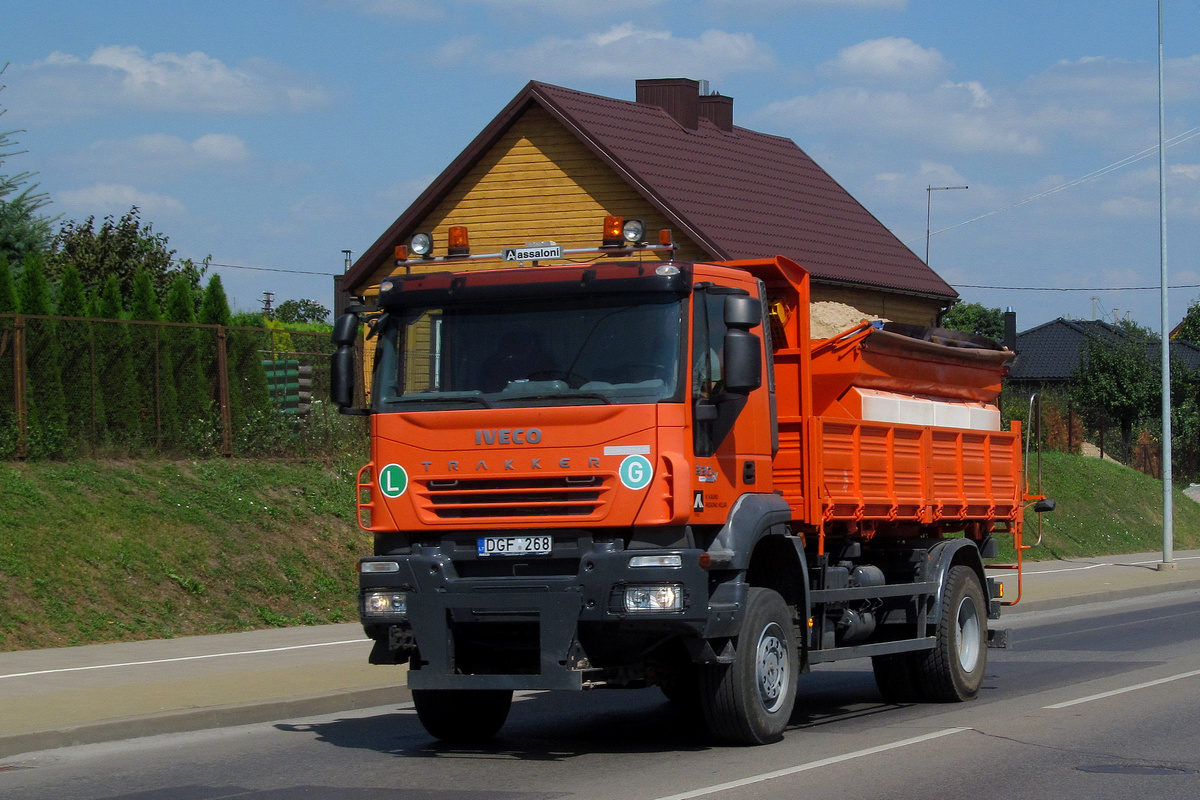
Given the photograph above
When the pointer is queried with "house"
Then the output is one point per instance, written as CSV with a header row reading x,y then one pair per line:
x,y
555,162
1050,354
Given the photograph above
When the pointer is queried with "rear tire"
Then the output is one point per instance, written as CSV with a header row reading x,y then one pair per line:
x,y
751,700
953,670
462,715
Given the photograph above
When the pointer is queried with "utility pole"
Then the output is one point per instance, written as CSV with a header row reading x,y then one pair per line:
x,y
266,301
1168,561
929,190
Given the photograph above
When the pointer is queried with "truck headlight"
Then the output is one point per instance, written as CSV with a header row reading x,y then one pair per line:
x,y
660,597
390,603
674,560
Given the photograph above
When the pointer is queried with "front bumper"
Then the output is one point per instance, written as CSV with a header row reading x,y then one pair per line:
x,y
505,628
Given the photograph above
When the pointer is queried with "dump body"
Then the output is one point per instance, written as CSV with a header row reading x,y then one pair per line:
x,y
602,474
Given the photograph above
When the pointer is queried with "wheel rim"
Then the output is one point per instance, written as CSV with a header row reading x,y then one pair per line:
x,y
771,667
968,635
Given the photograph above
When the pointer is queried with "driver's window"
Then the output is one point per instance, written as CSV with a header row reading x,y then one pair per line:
x,y
707,355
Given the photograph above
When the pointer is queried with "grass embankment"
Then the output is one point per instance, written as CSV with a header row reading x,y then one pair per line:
x,y
97,551
1103,509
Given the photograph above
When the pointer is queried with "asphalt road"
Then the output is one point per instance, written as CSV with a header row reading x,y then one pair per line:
x,y
1094,701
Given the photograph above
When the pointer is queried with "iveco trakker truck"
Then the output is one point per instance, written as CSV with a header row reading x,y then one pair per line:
x,y
639,471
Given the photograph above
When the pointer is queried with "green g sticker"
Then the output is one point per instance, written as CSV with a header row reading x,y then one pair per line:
x,y
393,480
636,472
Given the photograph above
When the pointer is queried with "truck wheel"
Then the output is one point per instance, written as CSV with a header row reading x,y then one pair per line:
x,y
462,715
751,700
896,677
953,670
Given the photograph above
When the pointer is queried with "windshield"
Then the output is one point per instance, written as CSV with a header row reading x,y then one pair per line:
x,y
531,352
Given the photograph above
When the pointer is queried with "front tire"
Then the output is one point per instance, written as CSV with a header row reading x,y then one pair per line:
x,y
953,670
751,700
462,716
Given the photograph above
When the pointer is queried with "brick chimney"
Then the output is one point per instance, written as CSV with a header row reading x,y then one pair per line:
x,y
718,109
679,97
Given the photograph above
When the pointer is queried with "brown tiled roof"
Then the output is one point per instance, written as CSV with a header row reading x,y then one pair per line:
x,y
736,193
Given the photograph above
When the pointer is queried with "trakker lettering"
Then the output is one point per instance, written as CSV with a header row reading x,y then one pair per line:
x,y
510,464
508,436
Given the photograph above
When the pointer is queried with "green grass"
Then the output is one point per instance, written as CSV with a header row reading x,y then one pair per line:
x,y
1103,509
96,551
99,551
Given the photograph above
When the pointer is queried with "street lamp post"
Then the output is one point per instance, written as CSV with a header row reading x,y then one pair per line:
x,y
929,190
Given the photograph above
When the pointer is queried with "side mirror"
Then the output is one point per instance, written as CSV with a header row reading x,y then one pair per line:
x,y
743,350
743,362
345,330
743,312
1042,506
343,364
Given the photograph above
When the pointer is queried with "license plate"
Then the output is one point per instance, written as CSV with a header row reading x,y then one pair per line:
x,y
514,545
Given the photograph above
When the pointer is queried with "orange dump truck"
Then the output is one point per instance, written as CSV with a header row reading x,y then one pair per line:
x,y
637,471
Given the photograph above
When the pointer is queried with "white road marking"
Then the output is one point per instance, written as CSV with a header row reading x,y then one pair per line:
x,y
824,762
1115,692
181,658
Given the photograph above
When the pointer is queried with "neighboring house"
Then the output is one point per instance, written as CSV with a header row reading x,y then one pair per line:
x,y
555,162
1050,354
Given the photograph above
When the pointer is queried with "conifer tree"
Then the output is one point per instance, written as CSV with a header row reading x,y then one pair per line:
x,y
189,351
8,406
47,425
121,410
81,387
153,363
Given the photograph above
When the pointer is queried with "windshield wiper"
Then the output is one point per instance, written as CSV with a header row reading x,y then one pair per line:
x,y
562,396
440,399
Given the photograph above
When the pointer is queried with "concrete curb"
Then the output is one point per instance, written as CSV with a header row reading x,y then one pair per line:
x,y
1055,603
198,719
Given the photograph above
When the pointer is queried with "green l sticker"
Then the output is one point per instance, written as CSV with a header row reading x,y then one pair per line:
x,y
393,480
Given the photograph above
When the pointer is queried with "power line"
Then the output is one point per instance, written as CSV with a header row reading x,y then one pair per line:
x,y
1124,162
1076,288
255,269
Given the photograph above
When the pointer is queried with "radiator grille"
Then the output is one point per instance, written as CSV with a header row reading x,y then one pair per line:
x,y
554,496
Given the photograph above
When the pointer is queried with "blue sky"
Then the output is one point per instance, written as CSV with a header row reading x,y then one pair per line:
x,y
275,134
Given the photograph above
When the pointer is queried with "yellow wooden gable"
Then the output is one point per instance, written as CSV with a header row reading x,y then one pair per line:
x,y
537,183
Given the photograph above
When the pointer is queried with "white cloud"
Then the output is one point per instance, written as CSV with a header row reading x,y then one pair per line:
x,y
116,79
157,156
399,9
221,148
794,6
889,60
1128,207
112,198
945,118
626,51
1189,171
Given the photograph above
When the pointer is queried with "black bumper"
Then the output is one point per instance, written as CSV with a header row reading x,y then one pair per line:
x,y
545,631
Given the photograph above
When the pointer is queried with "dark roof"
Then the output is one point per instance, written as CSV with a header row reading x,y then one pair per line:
x,y
1053,351
735,192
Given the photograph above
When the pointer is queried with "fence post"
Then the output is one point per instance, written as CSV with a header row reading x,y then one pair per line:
x,y
19,386
223,391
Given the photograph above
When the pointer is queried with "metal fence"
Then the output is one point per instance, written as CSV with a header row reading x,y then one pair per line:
x,y
84,386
